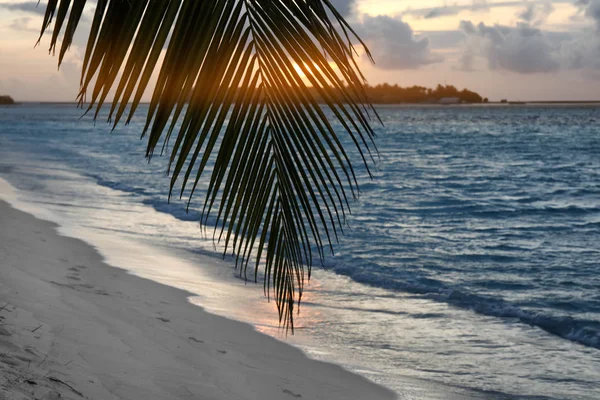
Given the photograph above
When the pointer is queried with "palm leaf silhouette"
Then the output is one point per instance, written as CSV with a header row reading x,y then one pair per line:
x,y
240,88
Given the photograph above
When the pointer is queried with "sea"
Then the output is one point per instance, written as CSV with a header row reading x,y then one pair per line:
x,y
470,266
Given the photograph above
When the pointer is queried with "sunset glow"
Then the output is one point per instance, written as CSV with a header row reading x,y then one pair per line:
x,y
413,43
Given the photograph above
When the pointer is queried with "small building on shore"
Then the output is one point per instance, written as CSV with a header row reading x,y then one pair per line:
x,y
449,100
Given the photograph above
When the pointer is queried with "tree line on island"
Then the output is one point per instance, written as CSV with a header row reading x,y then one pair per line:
x,y
379,94
389,94
6,100
394,94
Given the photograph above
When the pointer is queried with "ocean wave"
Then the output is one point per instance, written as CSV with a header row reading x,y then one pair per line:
x,y
537,211
480,204
583,331
586,332
118,185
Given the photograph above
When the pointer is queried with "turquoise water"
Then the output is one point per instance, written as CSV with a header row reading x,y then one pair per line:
x,y
472,258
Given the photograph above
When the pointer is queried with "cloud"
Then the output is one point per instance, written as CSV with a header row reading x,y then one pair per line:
x,y
475,6
25,6
536,13
445,40
583,52
393,43
449,10
590,9
344,7
455,9
523,49
23,24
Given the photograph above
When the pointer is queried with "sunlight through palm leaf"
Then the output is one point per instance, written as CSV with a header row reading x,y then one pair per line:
x,y
240,95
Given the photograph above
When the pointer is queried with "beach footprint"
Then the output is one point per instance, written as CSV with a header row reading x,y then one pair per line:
x,y
74,274
290,393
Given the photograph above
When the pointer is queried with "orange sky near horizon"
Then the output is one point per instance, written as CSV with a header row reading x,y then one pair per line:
x,y
414,42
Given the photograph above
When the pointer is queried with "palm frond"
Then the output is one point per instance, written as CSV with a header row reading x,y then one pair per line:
x,y
238,94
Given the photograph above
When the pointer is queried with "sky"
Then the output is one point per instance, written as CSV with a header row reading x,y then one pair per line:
x,y
503,49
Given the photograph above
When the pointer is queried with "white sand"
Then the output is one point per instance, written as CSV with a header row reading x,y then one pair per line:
x,y
72,327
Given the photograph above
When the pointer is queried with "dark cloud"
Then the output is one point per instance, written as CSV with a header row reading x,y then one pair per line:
x,y
26,6
476,5
344,7
455,9
582,54
536,13
393,43
591,10
436,12
445,40
523,49
526,49
584,51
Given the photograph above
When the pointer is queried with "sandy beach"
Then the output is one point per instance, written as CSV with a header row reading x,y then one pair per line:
x,y
73,327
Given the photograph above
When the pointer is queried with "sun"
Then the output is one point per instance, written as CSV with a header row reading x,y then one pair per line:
x,y
313,69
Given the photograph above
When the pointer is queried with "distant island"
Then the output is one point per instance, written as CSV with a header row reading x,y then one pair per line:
x,y
4,100
448,94
394,94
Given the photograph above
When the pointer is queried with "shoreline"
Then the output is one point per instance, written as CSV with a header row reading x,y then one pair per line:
x,y
135,258
95,190
81,328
